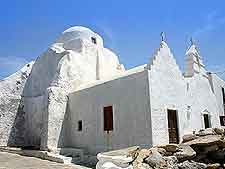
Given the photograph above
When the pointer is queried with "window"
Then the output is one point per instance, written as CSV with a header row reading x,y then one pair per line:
x,y
223,94
94,40
108,118
79,125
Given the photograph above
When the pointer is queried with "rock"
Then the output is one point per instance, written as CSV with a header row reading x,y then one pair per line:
x,y
162,151
116,159
185,152
142,154
191,165
204,141
143,166
221,143
171,162
189,137
217,157
155,159
219,131
169,147
208,131
213,166
211,148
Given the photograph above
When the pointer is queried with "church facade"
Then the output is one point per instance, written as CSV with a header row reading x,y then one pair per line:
x,y
79,95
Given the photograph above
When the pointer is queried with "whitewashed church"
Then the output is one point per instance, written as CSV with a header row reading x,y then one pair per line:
x,y
77,94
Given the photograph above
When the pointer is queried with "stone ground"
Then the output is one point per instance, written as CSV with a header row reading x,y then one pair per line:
x,y
15,161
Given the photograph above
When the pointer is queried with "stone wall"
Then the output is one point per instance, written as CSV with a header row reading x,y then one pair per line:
x,y
12,114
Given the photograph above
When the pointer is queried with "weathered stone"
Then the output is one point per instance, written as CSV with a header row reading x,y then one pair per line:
x,y
142,166
169,147
162,151
189,137
142,154
219,131
185,152
210,148
213,166
191,165
171,162
221,143
217,156
204,140
208,131
168,153
155,159
133,152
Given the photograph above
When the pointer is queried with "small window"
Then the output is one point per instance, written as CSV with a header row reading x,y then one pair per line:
x,y
94,40
108,118
79,125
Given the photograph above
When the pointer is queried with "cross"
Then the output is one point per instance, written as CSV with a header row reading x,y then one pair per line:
x,y
162,34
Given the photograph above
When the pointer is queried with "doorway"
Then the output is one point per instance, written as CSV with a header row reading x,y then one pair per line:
x,y
173,126
206,121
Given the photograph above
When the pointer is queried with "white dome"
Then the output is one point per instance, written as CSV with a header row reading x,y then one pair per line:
x,y
79,32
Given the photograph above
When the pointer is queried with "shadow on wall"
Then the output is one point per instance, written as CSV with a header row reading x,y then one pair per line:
x,y
65,130
16,136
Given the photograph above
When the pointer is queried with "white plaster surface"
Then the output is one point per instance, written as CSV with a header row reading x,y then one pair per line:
x,y
217,85
73,59
129,96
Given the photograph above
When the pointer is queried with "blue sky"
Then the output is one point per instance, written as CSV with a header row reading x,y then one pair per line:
x,y
130,28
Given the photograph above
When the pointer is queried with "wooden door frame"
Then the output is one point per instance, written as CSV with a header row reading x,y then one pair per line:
x,y
177,123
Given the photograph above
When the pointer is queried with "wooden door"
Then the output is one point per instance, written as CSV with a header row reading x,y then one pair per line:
x,y
108,118
172,126
206,121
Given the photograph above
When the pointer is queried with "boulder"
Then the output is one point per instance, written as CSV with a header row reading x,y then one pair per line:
x,y
204,132
217,156
189,137
211,148
204,141
162,151
213,166
142,166
185,152
219,131
191,165
171,162
155,159
142,154
169,147
120,159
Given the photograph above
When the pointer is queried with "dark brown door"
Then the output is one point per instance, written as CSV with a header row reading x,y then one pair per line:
x,y
108,118
206,121
172,126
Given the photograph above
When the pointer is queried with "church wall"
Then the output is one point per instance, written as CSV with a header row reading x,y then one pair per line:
x,y
201,100
33,109
167,91
217,85
129,97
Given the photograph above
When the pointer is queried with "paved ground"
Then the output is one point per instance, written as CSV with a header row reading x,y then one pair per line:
x,y
15,161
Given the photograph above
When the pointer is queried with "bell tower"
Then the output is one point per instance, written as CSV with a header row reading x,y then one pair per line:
x,y
193,61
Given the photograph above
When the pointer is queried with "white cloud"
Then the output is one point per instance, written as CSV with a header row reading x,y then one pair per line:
x,y
9,65
212,21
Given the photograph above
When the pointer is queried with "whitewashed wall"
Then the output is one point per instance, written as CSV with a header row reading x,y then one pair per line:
x,y
217,84
167,91
129,96
191,97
